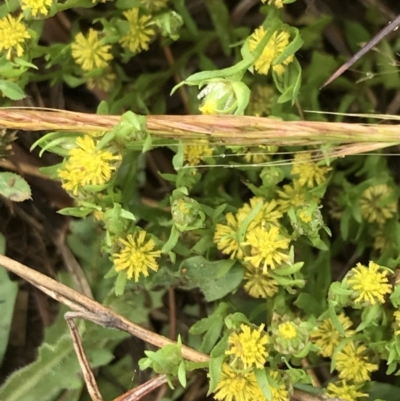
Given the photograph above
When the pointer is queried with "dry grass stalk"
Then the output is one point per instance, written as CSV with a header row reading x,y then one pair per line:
x,y
349,138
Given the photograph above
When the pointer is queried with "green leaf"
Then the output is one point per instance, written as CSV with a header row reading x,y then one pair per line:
x,y
182,374
14,187
262,380
172,240
120,283
215,368
220,15
11,90
8,291
199,272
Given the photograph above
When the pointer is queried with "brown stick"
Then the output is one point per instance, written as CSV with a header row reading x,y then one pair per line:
x,y
99,313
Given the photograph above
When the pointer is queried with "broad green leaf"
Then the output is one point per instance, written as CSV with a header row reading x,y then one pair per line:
x,y
14,187
11,90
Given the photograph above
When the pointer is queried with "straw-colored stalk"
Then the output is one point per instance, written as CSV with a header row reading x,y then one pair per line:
x,y
347,138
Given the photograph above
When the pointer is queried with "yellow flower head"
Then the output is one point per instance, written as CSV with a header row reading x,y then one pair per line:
x,y
289,335
268,213
141,31
136,255
344,391
194,154
103,82
87,165
248,347
89,53
308,173
352,363
237,386
37,7
275,46
261,100
396,323
209,106
258,154
370,284
377,204
291,195
281,392
327,337
266,248
226,236
154,5
259,284
13,34
276,3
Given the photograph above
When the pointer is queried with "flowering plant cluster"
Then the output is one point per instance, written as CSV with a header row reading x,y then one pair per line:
x,y
291,252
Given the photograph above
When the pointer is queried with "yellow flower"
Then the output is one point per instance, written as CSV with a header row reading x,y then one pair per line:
x,y
291,195
37,7
308,172
261,100
275,46
327,337
396,322
370,285
141,31
259,284
13,34
87,165
266,246
352,363
276,3
89,53
136,255
377,204
258,154
287,330
237,386
103,81
226,236
209,106
154,5
381,241
248,347
279,393
268,213
195,153
343,391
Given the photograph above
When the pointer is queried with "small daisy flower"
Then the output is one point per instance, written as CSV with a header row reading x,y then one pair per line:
x,y
352,363
194,154
268,248
308,173
37,7
87,165
377,204
344,391
136,255
327,337
248,347
268,214
226,236
278,42
259,284
236,386
370,284
89,53
13,35
141,31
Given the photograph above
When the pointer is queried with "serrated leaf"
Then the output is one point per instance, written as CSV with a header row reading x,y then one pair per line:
x,y
14,187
